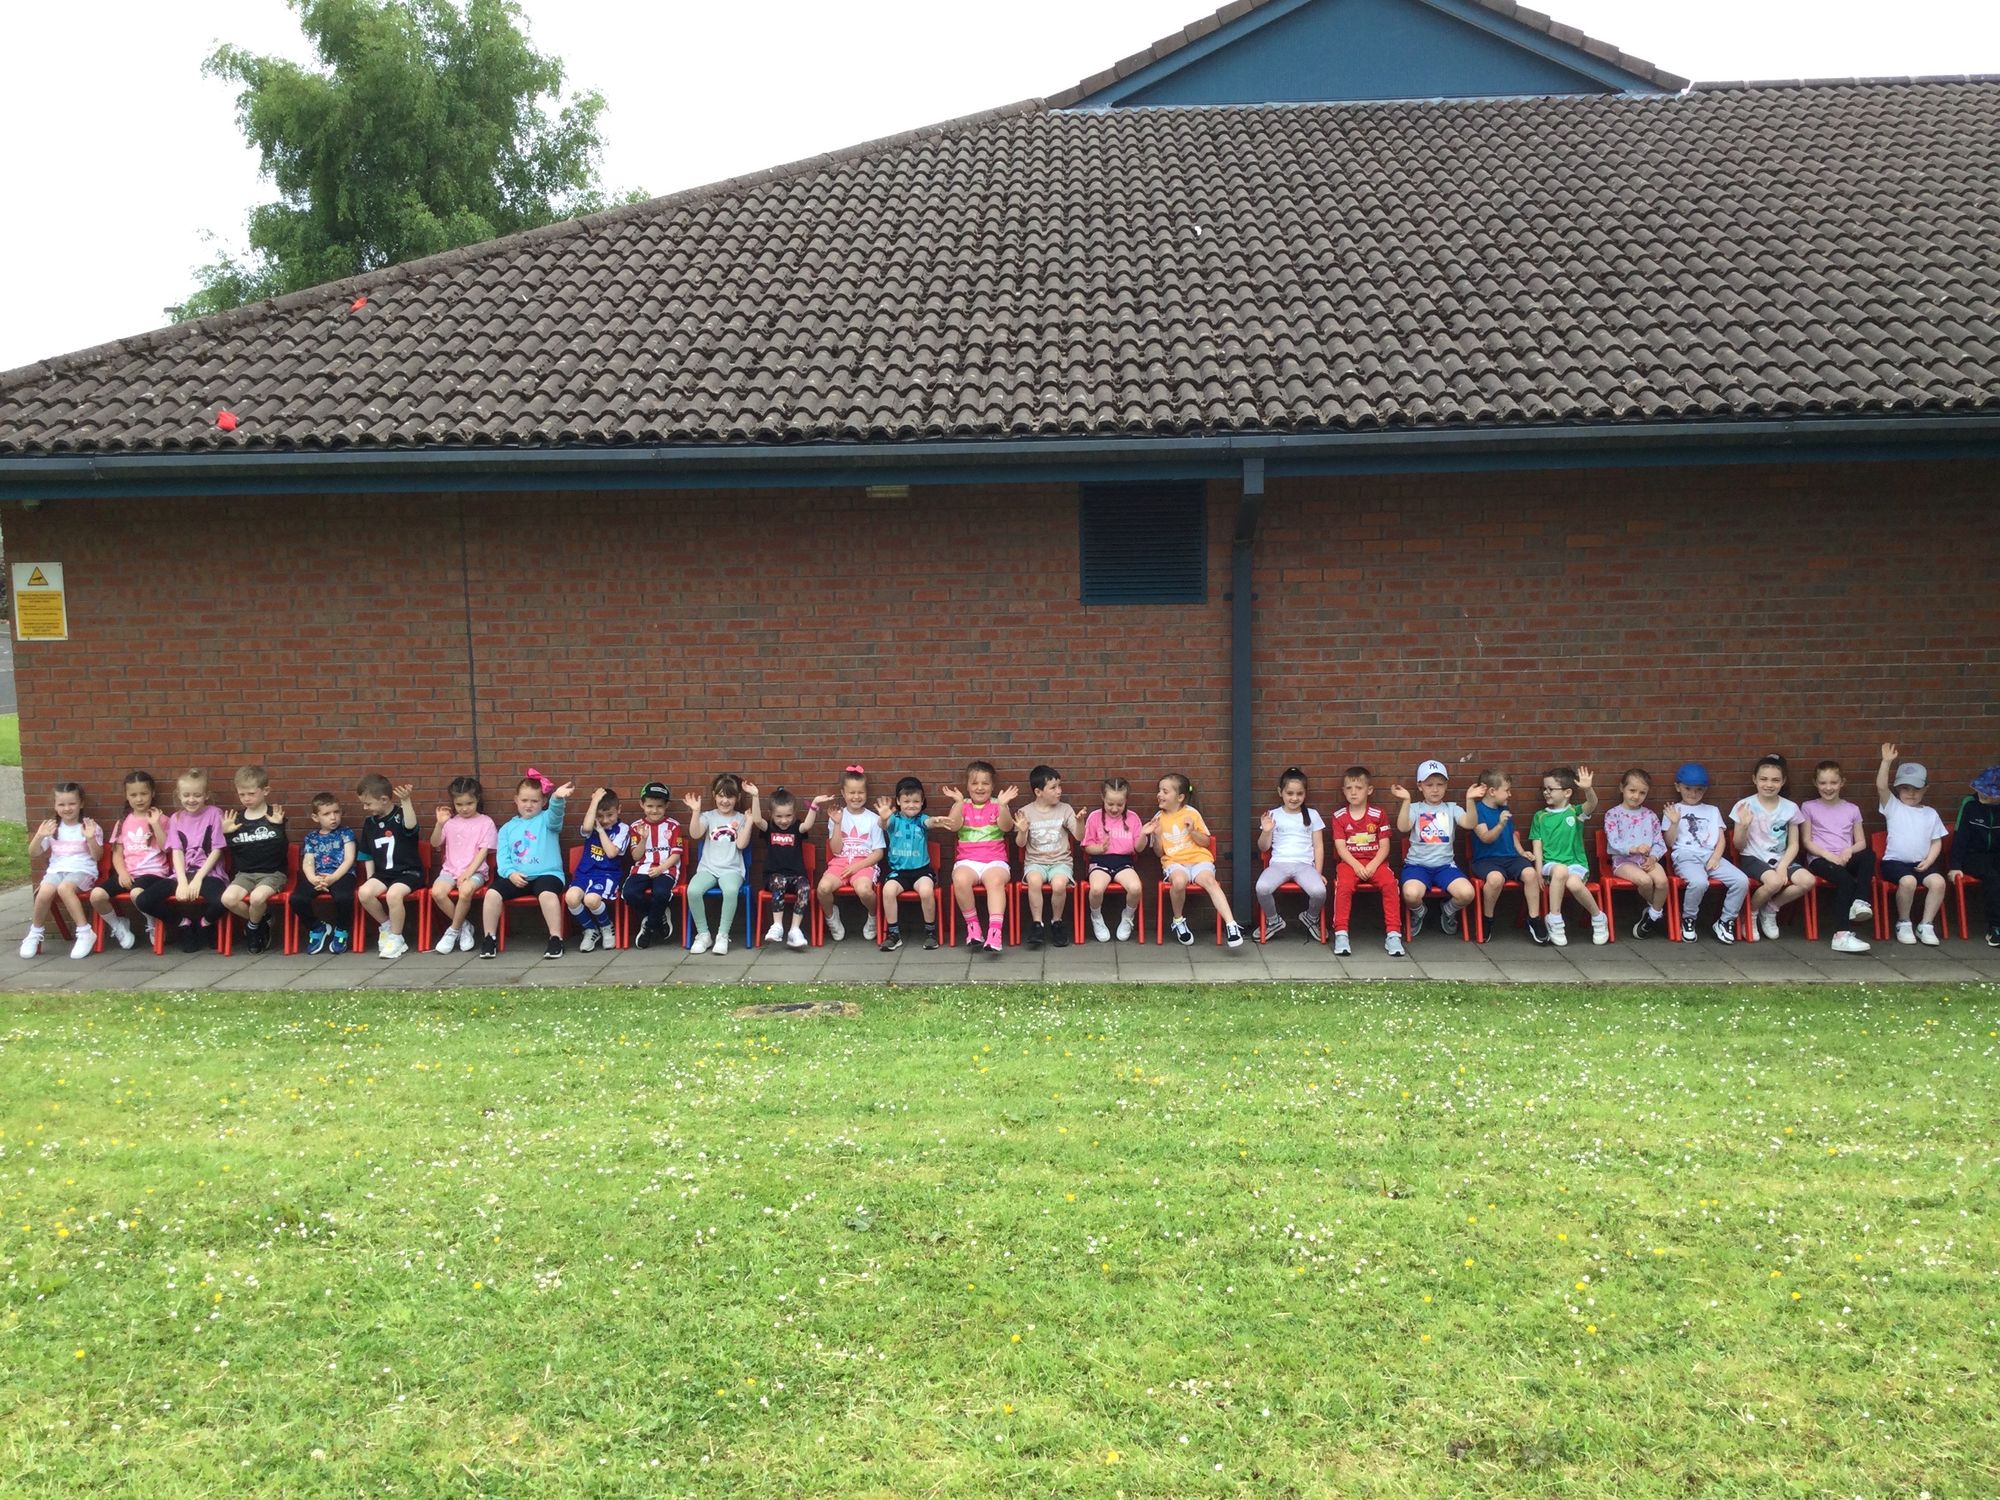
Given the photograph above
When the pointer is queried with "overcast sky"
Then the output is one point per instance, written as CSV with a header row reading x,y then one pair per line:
x,y
121,156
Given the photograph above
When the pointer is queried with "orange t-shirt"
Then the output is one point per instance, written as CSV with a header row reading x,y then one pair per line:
x,y
1183,838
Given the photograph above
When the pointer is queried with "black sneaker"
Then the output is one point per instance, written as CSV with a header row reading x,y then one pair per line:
x,y
1037,935
1725,932
1993,937
667,923
643,938
930,934
1311,925
1183,934
1647,926
1271,929
1059,934
1481,931
554,948
489,946
1538,929
257,936
1689,931
892,940
190,937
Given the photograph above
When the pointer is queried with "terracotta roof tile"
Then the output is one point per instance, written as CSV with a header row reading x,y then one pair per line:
x,y
1795,250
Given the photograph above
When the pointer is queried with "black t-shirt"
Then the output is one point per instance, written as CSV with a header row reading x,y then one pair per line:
x,y
388,844
784,852
257,847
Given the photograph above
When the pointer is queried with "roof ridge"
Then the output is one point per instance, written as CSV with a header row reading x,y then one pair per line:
x,y
158,338
1876,80
1194,31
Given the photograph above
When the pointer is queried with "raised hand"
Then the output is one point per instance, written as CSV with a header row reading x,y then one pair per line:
x,y
693,802
1583,778
597,796
565,790
1267,825
47,830
403,792
443,813
1400,792
750,789
950,791
1673,813
1475,791
1007,797
822,799
883,807
1888,752
232,822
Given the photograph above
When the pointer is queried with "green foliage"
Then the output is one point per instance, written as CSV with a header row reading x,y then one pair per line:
x,y
1392,1240
10,739
14,867
426,126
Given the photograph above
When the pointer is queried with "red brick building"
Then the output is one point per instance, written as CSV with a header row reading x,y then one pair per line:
x,y
1624,425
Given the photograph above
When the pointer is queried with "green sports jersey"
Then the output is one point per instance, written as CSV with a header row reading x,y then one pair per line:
x,y
1560,831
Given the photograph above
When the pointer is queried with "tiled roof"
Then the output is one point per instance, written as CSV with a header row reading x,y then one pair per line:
x,y
1824,249
1166,46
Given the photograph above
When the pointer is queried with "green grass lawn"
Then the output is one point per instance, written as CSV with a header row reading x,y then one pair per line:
x,y
10,739
1336,1240
13,853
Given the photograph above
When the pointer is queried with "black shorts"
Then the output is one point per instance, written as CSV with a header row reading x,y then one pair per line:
x,y
1511,865
1110,864
1893,870
538,885
414,879
908,879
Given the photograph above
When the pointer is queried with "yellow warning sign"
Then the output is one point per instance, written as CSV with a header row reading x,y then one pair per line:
x,y
41,612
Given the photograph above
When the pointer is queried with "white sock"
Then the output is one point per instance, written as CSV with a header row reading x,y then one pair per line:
x,y
1654,913
34,930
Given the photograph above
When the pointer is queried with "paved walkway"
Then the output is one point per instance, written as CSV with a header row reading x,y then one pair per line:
x,y
1509,956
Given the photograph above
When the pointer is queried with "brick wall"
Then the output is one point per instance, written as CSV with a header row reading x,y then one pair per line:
x,y
1611,617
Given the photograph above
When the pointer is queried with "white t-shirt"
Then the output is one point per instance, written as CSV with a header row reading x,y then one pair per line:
x,y
1700,831
1292,835
1911,830
1769,828
860,833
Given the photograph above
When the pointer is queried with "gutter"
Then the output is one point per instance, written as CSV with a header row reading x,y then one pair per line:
x,y
1022,460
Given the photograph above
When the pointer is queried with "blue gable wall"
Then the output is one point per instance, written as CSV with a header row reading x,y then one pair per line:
x,y
1305,51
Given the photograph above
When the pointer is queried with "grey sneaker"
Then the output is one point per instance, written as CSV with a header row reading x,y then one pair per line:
x,y
1393,945
1448,920
1341,946
1418,914
1271,929
1725,932
1311,925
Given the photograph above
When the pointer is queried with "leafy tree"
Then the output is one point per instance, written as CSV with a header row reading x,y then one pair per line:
x,y
426,126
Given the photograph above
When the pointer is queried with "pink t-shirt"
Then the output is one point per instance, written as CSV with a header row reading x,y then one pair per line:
x,y
1830,825
1117,835
464,837
134,835
979,840
196,835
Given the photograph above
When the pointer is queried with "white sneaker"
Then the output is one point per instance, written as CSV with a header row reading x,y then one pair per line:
x,y
1558,932
1600,930
1125,928
1927,935
1393,945
721,944
1767,924
32,943
868,929
467,939
392,945
835,927
1860,911
776,933
122,930
1905,933
588,942
1847,942
448,942
1100,927
702,943
796,938
1341,946
85,944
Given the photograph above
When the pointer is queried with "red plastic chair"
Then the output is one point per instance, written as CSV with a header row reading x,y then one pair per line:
x,y
105,875
1264,863
1165,885
426,908
225,932
942,897
1959,881
1885,894
813,933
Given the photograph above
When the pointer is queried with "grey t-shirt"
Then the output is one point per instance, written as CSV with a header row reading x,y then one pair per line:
x,y
1432,826
1048,831
717,832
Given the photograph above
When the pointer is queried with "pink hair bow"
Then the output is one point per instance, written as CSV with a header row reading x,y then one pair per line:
x,y
857,770
531,774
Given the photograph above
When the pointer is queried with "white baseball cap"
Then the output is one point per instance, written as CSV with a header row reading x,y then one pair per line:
x,y
1432,768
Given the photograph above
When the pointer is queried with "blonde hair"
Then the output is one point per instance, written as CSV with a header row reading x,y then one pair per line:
x,y
193,776
251,776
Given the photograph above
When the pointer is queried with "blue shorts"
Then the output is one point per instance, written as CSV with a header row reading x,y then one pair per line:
x,y
1510,865
1437,879
603,884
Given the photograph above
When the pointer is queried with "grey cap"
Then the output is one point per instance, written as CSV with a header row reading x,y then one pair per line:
x,y
1909,773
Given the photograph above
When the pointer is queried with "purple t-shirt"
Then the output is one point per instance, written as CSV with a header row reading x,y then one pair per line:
x,y
1631,833
196,835
1830,825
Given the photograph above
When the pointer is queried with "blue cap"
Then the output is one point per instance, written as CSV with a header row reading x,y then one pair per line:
x,y
1694,773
